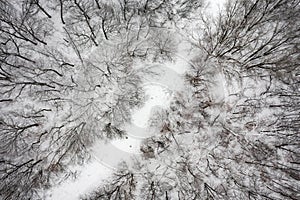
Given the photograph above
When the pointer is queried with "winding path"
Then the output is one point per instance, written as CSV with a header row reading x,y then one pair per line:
x,y
107,155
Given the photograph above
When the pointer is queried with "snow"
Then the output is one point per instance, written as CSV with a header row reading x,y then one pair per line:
x,y
214,6
157,95
91,174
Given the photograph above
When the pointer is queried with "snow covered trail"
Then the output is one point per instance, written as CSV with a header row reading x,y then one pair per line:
x,y
115,151
107,155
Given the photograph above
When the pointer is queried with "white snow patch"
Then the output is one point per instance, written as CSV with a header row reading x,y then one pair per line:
x,y
91,176
156,95
215,6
